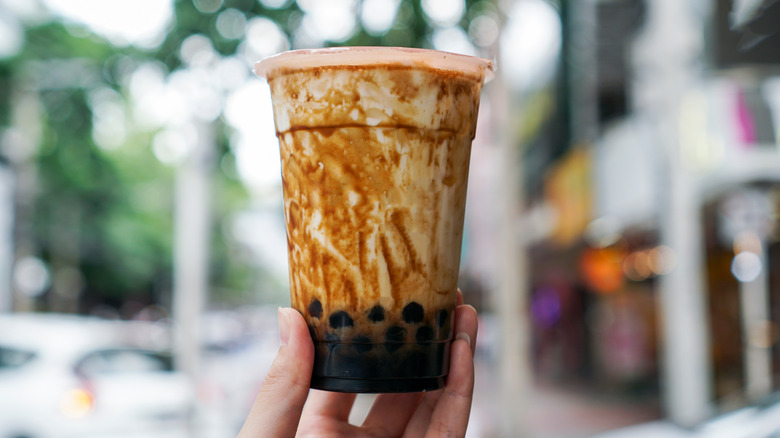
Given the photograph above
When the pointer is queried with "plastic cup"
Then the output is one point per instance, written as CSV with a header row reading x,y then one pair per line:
x,y
375,145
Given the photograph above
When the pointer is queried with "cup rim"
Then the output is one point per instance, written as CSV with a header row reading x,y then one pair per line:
x,y
300,59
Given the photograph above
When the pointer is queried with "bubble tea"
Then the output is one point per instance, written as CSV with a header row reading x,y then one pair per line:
x,y
375,146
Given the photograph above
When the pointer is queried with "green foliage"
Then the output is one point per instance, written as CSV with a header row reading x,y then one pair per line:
x,y
109,212
53,40
91,208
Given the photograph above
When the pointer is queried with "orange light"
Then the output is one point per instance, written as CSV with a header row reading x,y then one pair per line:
x,y
77,403
602,269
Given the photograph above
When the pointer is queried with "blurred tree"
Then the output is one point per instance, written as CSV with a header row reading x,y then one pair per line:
x,y
101,217
87,220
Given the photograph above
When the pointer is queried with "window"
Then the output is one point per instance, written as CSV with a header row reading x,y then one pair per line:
x,y
123,361
13,358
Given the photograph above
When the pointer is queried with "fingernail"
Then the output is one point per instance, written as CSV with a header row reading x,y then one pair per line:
x,y
465,337
284,326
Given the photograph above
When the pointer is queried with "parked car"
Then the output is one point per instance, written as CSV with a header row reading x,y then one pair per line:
x,y
67,376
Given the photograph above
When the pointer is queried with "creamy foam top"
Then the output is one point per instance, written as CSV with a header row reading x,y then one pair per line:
x,y
296,60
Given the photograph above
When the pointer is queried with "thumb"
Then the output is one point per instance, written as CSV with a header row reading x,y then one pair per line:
x,y
277,409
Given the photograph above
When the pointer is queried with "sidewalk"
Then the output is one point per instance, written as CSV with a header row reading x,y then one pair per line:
x,y
559,412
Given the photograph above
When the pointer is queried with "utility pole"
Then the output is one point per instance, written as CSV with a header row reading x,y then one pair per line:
x,y
191,251
668,53
20,143
509,302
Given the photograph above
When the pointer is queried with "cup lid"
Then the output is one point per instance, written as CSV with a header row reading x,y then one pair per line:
x,y
295,60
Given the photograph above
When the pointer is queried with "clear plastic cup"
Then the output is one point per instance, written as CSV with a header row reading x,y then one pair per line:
x,y
375,145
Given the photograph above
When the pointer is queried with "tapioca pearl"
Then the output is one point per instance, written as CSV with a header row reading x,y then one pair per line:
x,y
441,317
376,314
340,319
315,309
332,338
424,334
340,360
362,344
413,313
395,336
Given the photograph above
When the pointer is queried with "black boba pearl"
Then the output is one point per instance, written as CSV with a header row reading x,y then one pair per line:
x,y
394,337
376,314
362,344
424,334
441,317
332,338
315,309
413,313
340,319
395,334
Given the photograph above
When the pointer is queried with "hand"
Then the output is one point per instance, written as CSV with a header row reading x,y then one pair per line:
x,y
279,409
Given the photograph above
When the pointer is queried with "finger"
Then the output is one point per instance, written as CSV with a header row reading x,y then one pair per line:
x,y
277,409
418,424
466,322
328,404
390,413
459,298
450,417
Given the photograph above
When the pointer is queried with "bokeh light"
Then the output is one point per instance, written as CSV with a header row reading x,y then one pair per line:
x,y
746,266
377,16
231,24
138,22
444,13
31,276
207,6
263,38
327,20
197,51
662,260
483,30
172,145
275,4
530,43
151,102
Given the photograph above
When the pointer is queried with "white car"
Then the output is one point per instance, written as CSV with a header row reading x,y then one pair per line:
x,y
69,376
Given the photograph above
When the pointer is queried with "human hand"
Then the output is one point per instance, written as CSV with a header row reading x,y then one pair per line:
x,y
286,407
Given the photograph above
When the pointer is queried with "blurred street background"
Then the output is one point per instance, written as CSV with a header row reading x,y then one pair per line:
x,y
622,240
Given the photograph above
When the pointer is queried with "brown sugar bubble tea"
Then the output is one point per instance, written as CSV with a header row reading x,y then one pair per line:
x,y
375,146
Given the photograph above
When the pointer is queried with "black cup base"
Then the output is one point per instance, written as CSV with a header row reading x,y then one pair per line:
x,y
375,368
363,386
